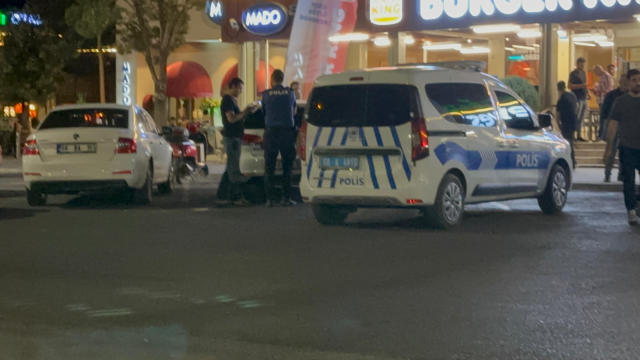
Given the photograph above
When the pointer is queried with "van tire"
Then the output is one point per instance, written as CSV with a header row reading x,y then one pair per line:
x,y
36,198
554,198
330,214
448,210
144,195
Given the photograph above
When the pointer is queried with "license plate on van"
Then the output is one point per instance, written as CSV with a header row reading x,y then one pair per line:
x,y
77,148
339,162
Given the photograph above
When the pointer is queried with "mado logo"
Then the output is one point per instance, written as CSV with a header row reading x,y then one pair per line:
x,y
265,18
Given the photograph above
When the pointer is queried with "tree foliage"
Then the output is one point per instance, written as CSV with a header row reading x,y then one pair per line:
x,y
91,18
525,90
31,63
155,28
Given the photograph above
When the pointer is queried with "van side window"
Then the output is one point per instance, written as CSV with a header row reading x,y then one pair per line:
x,y
513,112
461,103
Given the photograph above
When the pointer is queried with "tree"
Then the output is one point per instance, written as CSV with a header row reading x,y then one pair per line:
x,y
155,28
90,19
31,64
525,90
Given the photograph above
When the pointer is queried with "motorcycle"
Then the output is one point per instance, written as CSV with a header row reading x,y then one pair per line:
x,y
186,162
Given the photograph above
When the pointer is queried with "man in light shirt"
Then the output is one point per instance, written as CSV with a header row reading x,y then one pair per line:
x,y
605,85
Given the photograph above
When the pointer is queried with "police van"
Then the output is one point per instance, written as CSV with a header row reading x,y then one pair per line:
x,y
428,138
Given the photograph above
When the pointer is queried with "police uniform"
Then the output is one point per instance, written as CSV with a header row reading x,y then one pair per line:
x,y
278,107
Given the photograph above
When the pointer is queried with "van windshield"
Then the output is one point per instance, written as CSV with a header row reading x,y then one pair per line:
x,y
96,118
363,105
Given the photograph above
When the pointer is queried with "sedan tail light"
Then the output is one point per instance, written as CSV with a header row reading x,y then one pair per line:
x,y
126,146
249,139
302,141
31,148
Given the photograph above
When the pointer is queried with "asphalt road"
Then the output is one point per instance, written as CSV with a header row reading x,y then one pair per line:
x,y
86,278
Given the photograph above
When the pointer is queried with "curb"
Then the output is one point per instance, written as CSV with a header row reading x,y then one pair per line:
x,y
598,187
10,175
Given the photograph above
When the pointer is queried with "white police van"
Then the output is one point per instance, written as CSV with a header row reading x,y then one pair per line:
x,y
428,138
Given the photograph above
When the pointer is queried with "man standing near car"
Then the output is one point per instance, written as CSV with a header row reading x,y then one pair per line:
x,y
578,85
230,190
625,121
605,110
279,108
566,108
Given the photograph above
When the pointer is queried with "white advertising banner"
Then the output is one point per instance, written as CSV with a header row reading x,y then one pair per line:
x,y
311,54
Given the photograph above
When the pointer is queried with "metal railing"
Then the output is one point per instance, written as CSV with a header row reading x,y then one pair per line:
x,y
591,125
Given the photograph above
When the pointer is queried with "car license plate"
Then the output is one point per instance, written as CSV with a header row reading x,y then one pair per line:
x,y
77,148
339,162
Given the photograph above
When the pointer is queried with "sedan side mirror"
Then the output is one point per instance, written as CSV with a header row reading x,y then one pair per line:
x,y
545,120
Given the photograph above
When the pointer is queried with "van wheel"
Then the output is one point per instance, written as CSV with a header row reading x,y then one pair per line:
x,y
144,195
554,197
448,210
36,198
167,187
330,214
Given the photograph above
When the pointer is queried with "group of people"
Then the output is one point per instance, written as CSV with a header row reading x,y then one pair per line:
x,y
619,122
279,108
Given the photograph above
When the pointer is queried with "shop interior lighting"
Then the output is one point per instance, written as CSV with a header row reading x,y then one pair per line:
x,y
637,17
104,50
589,37
529,34
442,46
535,45
350,37
469,41
510,49
382,41
474,50
605,43
523,47
584,44
494,29
562,33
409,40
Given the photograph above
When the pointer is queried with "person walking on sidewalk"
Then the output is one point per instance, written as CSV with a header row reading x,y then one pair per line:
x,y
229,190
578,85
605,110
625,121
279,108
566,108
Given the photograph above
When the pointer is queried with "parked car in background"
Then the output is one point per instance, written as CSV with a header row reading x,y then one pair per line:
x,y
97,147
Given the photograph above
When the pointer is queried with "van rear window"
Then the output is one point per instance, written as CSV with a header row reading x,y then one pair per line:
x,y
363,105
97,118
256,120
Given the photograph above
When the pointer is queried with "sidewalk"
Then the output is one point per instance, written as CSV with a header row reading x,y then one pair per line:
x,y
583,178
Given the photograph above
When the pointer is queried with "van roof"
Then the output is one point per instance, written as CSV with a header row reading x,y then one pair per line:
x,y
397,74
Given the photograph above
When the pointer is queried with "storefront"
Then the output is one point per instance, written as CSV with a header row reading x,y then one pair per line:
x,y
537,40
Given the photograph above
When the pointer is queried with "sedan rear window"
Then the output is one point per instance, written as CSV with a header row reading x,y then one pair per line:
x,y
98,118
363,105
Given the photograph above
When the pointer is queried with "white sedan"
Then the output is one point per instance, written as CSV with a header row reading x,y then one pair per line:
x,y
95,147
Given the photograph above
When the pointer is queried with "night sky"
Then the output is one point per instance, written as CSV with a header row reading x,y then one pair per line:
x,y
11,3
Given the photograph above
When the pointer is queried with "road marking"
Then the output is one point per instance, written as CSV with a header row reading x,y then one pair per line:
x,y
110,312
249,304
77,307
200,209
224,298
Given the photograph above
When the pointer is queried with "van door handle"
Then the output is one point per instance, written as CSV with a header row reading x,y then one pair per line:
x,y
501,143
514,144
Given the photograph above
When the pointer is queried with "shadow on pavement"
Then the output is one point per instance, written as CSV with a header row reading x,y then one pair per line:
x,y
17,214
12,193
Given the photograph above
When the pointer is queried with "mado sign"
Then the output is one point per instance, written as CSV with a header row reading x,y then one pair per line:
x,y
265,18
463,13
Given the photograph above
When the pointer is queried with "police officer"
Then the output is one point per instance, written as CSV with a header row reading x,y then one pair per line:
x,y
279,108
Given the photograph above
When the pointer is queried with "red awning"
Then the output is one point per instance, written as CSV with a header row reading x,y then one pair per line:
x,y
147,103
260,77
188,80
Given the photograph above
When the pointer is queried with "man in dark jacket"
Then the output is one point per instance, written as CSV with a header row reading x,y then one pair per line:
x,y
605,110
567,115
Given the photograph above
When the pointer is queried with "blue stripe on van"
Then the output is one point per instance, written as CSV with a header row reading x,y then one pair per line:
x,y
331,135
387,164
405,163
315,143
372,169
342,143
